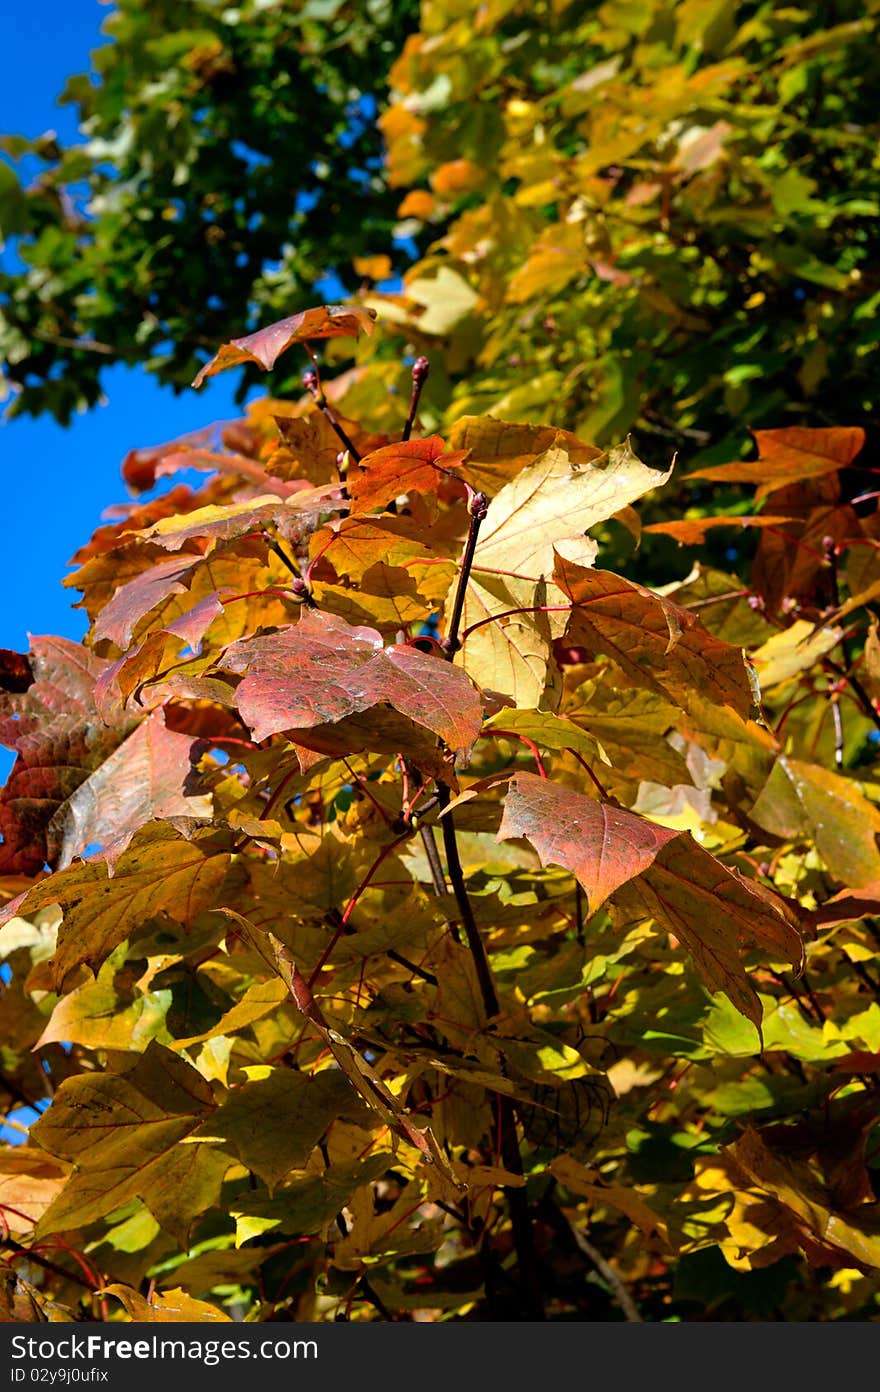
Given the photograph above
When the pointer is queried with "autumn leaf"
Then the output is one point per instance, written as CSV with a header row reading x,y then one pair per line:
x,y
274,1123
172,1306
691,531
322,670
497,450
413,466
124,1131
556,497
805,801
789,456
266,345
511,617
222,522
667,876
158,872
142,781
822,1227
655,642
58,740
120,616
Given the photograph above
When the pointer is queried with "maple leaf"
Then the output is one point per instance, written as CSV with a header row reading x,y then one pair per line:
x,y
142,781
553,499
123,1131
655,642
266,345
657,873
413,466
789,456
322,670
52,726
158,871
171,1306
497,450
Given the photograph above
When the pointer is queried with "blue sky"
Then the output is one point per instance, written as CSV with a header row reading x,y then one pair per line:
x,y
57,481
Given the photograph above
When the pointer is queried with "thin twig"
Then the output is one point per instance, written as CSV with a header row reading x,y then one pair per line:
x,y
315,387
420,369
621,1294
432,856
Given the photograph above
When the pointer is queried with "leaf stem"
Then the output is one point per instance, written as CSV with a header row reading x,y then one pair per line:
x,y
315,387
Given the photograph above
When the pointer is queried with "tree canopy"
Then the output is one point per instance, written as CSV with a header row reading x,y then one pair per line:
x,y
229,159
414,902
657,213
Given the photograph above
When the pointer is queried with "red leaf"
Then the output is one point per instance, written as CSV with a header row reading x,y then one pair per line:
x,y
121,615
602,846
142,781
58,742
655,873
323,670
266,345
412,466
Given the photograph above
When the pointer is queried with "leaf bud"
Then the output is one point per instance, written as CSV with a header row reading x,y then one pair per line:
x,y
478,506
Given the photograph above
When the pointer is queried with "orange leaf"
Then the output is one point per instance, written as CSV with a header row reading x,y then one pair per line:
x,y
413,466
788,456
265,346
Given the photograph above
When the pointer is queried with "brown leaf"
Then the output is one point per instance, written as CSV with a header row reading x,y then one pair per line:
x,y
266,345
159,872
322,670
142,781
656,643
656,873
412,466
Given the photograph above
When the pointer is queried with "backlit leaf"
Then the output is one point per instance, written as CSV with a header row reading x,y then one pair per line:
x,y
413,466
142,781
123,1132
654,873
266,345
159,871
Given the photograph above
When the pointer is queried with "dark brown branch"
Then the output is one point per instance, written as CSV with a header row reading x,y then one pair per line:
x,y
314,386
477,507
420,369
517,1199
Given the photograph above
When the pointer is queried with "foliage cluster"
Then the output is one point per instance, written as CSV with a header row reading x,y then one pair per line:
x,y
230,159
410,917
657,214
